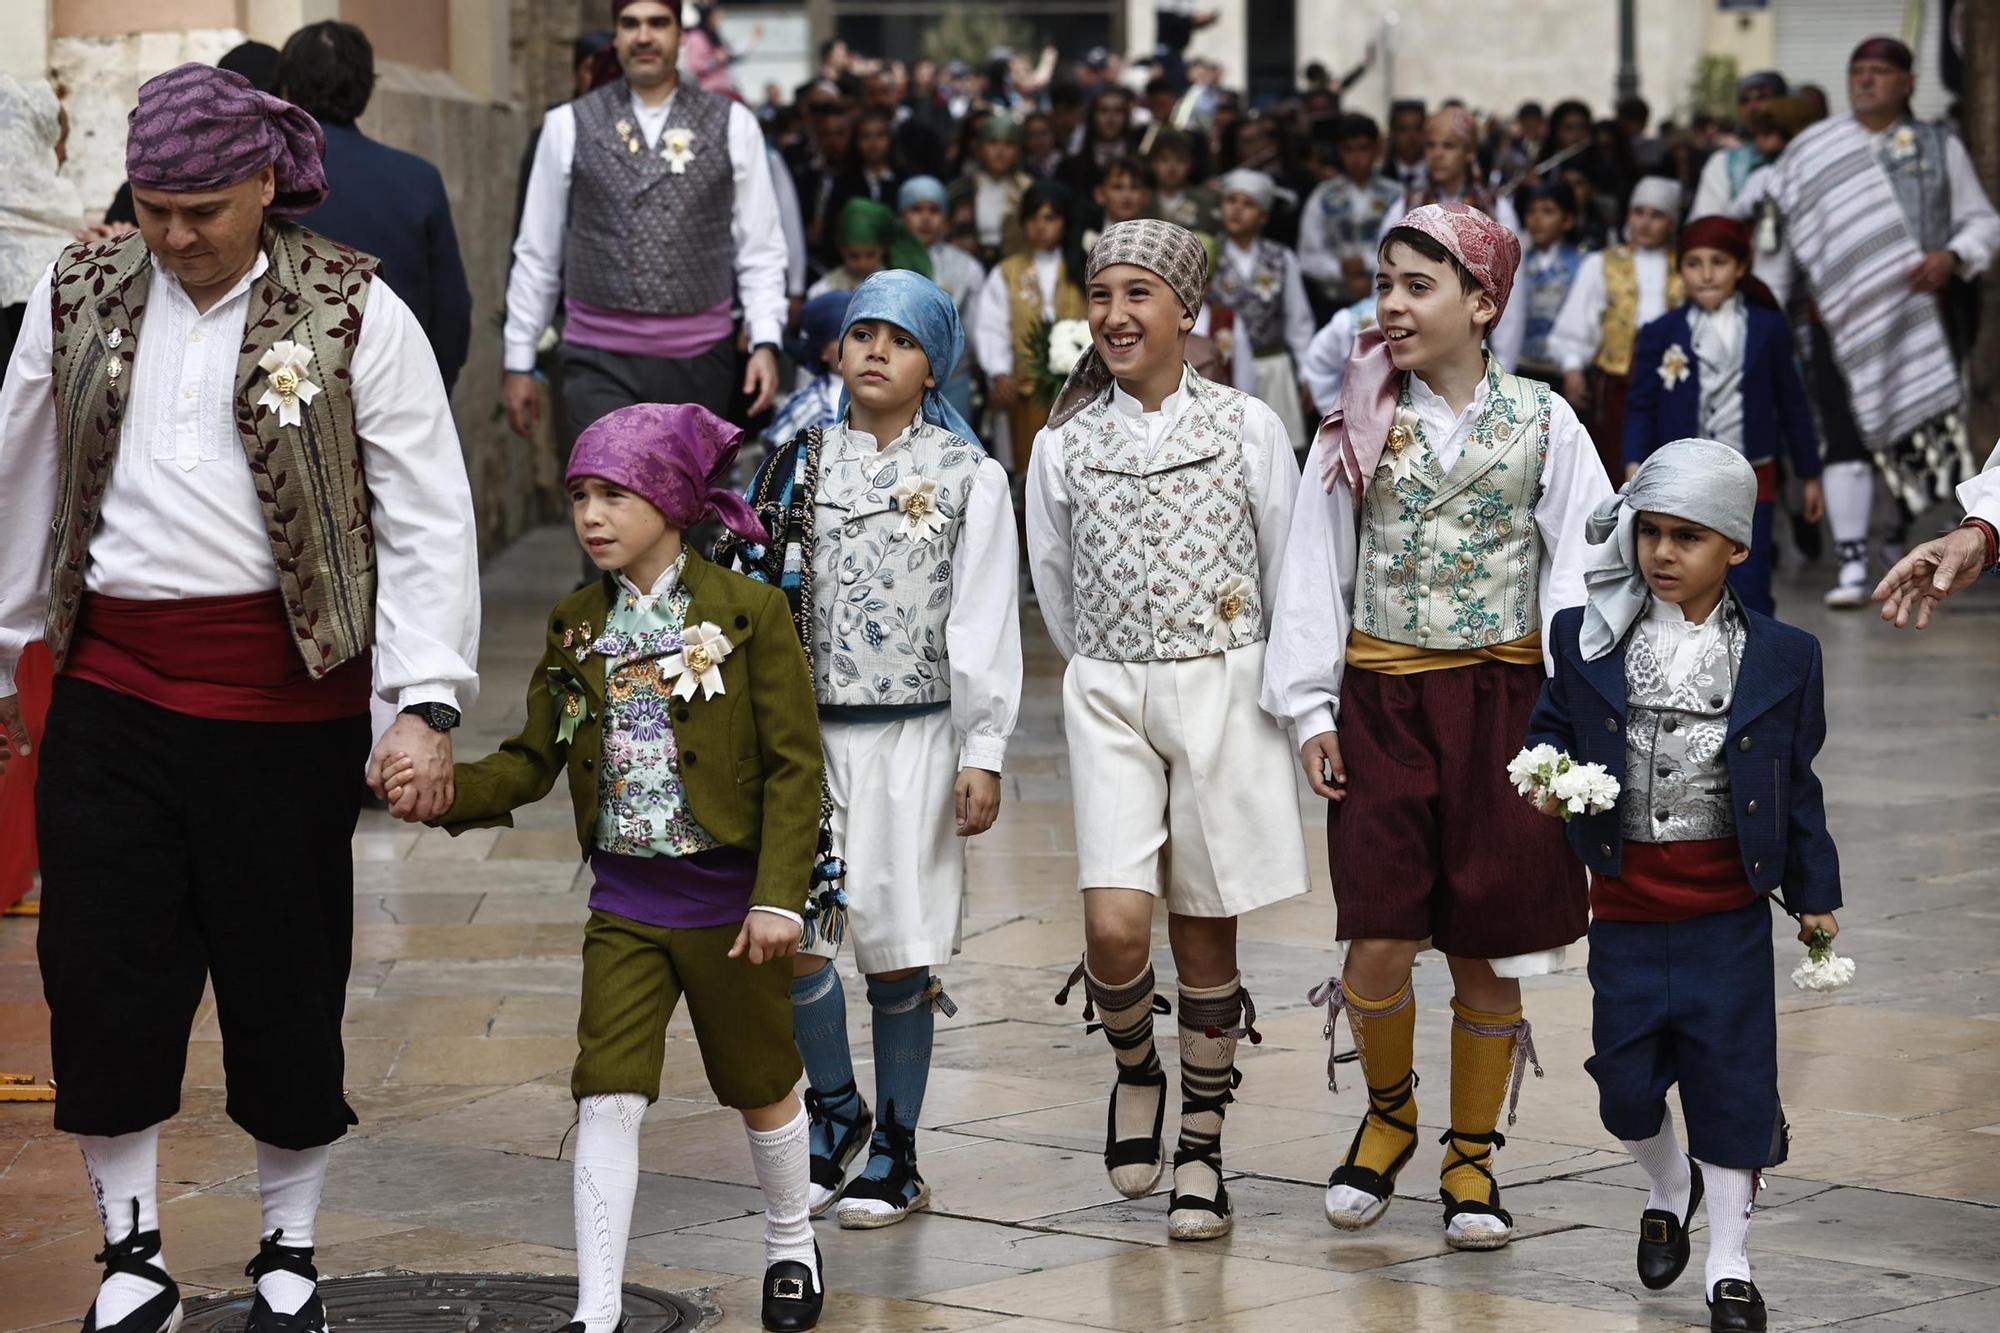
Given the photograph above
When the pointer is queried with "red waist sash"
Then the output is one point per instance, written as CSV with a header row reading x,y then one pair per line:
x,y
229,658
1673,881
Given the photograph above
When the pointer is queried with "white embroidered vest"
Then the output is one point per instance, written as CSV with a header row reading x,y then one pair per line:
x,y
1164,552
1453,560
881,584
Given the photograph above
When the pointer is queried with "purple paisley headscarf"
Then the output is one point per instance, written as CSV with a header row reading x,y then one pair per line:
x,y
675,456
198,128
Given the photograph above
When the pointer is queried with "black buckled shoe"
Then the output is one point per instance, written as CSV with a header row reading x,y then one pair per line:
x,y
578,1326
297,1259
830,1173
792,1296
1663,1238
1736,1304
162,1311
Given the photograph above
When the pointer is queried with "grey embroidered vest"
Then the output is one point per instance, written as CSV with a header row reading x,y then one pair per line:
x,y
308,476
1163,549
1917,175
881,577
1676,770
641,236
1453,560
1257,301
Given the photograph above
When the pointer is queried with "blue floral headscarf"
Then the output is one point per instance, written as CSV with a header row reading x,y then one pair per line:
x,y
919,307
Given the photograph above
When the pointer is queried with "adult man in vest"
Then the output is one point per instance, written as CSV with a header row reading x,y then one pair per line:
x,y
649,209
1884,212
227,472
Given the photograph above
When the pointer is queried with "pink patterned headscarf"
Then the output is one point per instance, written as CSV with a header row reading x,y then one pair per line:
x,y
1357,429
676,457
198,128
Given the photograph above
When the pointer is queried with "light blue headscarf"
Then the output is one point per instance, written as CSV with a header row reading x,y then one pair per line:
x,y
1699,480
918,306
920,190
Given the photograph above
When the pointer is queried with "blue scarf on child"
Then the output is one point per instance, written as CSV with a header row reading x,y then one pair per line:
x,y
920,308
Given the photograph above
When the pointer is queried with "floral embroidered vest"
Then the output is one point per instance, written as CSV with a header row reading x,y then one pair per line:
x,y
1163,549
1453,560
308,476
881,573
1620,328
1676,772
1257,301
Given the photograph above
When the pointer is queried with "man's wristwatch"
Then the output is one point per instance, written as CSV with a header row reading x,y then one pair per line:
x,y
436,716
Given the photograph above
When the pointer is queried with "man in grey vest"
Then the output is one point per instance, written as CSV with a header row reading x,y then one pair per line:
x,y
650,211
1886,216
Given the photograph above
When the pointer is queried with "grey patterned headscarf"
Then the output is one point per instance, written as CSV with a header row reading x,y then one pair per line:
x,y
1699,480
1173,252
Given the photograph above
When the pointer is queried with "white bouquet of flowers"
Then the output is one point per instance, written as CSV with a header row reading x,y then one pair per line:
x,y
1823,969
1069,339
1543,774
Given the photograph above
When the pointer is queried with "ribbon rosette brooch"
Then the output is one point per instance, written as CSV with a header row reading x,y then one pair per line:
x,y
1400,454
1673,366
284,368
698,665
917,498
677,146
1232,599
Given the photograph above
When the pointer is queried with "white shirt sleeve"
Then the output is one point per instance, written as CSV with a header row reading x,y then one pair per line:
x,y
1507,336
786,195
1049,557
1580,324
536,279
993,326
1975,227
1299,325
1504,213
1271,477
1757,186
1325,366
1979,494
28,445
754,228
1391,218
1573,486
1307,652
1318,258
983,631
426,541
1711,193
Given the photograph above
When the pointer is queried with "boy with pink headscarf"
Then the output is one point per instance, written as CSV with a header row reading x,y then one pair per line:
x,y
1417,588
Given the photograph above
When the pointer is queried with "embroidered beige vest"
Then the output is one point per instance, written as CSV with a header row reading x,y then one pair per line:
x,y
1619,330
1453,560
308,476
1163,550
881,586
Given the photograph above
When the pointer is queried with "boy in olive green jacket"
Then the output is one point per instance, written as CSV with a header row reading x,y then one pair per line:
x,y
677,699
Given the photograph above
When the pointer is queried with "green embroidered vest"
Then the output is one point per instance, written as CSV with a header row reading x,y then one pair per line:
x,y
308,476
1453,560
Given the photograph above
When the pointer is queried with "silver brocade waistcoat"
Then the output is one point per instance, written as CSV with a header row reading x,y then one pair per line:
x,y
1676,773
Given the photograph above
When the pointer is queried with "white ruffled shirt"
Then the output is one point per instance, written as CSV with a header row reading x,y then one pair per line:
x,y
1677,643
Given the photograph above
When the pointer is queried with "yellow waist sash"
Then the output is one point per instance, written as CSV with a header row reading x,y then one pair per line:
x,y
1403,659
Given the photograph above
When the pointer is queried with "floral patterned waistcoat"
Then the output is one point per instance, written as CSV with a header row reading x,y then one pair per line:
x,y
1452,560
1164,553
887,526
308,476
1676,772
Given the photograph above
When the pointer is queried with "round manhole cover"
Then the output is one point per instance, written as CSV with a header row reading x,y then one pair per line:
x,y
458,1303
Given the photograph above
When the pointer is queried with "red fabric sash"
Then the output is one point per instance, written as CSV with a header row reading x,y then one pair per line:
x,y
229,658
1673,881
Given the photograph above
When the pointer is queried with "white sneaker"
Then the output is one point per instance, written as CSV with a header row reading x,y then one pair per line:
x,y
1851,591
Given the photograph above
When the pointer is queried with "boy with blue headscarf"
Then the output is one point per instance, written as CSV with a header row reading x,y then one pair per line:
x,y
893,534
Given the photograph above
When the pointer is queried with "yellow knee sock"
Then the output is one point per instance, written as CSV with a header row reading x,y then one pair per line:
x,y
1385,1034
1482,1059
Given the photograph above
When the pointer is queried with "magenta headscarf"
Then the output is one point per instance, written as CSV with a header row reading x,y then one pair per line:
x,y
1357,429
675,456
198,128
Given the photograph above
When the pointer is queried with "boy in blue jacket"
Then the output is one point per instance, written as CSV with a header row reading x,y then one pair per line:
x,y
1721,366
1709,715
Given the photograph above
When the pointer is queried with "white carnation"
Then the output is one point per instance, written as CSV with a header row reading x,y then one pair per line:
x,y
1584,789
1069,339
1533,768
1822,974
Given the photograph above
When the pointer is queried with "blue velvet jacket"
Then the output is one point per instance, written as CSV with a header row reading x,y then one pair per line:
x,y
1776,415
1777,723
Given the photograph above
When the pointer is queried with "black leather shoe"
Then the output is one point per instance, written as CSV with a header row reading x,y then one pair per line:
x,y
1663,1238
578,1326
1736,1304
792,1297
162,1310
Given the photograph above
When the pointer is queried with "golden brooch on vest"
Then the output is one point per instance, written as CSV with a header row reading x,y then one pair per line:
x,y
917,498
1673,367
698,665
1232,599
1399,455
284,368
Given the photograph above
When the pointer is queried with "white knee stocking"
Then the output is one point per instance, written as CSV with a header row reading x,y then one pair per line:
x,y
1666,1167
783,1159
124,1171
1729,1191
607,1180
1850,499
289,1182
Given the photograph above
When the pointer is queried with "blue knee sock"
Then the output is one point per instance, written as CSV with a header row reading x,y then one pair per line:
x,y
904,1025
819,1025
